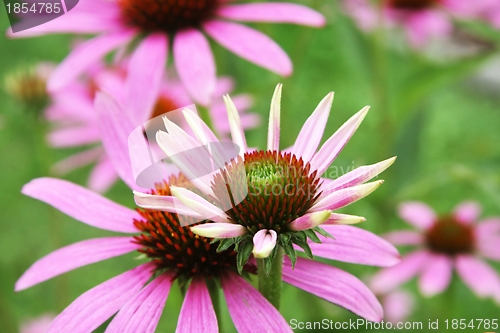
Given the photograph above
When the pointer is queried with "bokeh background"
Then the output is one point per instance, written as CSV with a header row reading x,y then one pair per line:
x,y
437,109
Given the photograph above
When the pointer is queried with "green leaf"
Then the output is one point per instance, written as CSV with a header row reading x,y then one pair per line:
x,y
290,252
305,247
323,232
244,250
225,244
312,235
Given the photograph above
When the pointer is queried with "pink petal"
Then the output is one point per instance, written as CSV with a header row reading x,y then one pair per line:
x,y
311,133
195,64
197,312
311,220
488,228
404,237
95,306
490,248
37,325
199,204
418,214
398,305
345,197
251,45
143,310
250,311
144,74
219,230
264,242
362,12
77,160
436,274
355,245
335,286
390,278
273,131
273,12
480,277
82,204
74,256
164,203
357,176
102,177
84,56
74,136
332,147
115,128
467,212
424,25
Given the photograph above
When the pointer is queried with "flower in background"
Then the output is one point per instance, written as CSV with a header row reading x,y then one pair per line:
x,y
119,22
75,122
398,305
176,253
452,241
28,85
37,325
421,19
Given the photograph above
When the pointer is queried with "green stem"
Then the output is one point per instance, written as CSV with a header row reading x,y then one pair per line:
x,y
214,291
270,285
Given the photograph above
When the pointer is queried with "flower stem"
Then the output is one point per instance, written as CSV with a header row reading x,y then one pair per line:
x,y
270,285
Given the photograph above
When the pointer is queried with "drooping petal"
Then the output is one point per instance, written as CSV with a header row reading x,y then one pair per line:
x,y
85,55
195,64
237,133
404,237
417,214
398,305
490,247
199,205
333,285
390,278
115,128
436,274
356,177
77,160
144,74
74,256
197,312
467,212
488,228
251,45
273,12
311,133
164,203
219,230
332,147
264,242
73,136
310,220
344,197
355,245
273,131
245,304
103,176
95,306
143,310
480,277
82,204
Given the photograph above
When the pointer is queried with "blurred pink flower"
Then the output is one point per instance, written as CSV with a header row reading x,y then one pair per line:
x,y
118,22
445,243
397,305
421,19
37,325
75,122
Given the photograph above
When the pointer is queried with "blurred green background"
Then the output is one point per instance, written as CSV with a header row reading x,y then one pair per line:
x,y
441,118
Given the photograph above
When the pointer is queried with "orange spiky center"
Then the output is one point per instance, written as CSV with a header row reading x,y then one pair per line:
x,y
167,15
168,241
268,190
412,4
450,237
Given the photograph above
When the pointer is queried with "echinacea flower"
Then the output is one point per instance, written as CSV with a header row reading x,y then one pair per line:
x,y
28,85
175,252
420,19
455,241
398,305
118,22
264,198
75,122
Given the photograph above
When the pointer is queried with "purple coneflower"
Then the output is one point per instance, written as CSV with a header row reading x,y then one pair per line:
x,y
175,252
455,241
184,22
